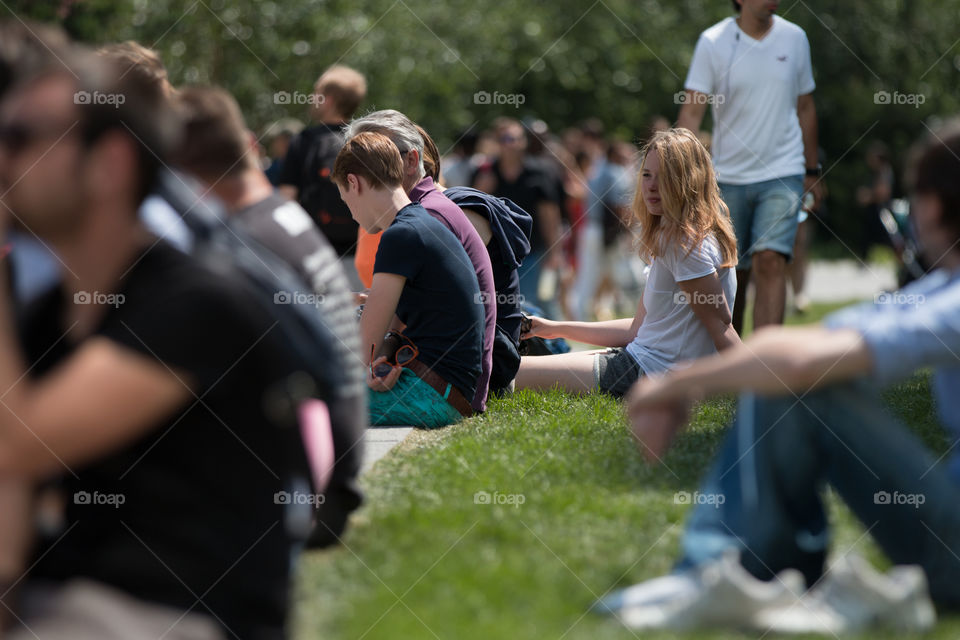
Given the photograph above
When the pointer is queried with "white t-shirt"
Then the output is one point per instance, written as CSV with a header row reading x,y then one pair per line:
x,y
755,85
671,332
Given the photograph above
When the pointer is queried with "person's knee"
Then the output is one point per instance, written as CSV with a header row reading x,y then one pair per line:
x,y
768,264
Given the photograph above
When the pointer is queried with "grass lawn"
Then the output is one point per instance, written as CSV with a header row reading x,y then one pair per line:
x,y
423,560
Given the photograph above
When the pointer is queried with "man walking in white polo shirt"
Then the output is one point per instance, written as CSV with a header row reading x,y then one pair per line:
x,y
755,70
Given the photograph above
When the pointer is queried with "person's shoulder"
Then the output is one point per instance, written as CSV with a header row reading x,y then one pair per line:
x,y
407,223
715,32
788,28
166,279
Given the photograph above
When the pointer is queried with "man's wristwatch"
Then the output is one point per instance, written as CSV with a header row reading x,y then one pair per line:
x,y
815,172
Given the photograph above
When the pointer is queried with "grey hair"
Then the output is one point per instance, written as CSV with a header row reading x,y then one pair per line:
x,y
396,126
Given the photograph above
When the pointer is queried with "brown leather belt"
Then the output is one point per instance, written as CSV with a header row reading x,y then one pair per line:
x,y
455,399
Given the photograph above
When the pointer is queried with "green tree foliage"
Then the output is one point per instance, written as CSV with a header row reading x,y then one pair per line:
x,y
619,60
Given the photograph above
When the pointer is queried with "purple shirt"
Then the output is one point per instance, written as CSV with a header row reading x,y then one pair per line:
x,y
443,209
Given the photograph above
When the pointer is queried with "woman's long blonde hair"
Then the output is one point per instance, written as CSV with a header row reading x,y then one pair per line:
x,y
690,200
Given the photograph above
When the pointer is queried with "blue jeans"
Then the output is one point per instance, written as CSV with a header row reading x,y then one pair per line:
x,y
529,272
413,402
764,215
774,463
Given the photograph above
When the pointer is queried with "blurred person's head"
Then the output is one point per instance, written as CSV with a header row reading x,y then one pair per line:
x,y
511,137
79,144
677,201
132,57
934,178
878,155
218,149
592,139
369,173
466,143
277,136
761,10
621,153
487,144
404,134
572,139
658,123
338,93
431,155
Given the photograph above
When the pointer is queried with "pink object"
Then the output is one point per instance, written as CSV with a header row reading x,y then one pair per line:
x,y
317,435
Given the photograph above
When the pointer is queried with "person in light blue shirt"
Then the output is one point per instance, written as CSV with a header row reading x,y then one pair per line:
x,y
810,414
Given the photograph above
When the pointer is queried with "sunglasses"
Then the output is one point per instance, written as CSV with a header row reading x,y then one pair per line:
x,y
404,354
17,136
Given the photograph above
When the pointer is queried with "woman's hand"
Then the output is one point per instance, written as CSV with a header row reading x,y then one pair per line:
x,y
541,328
386,382
654,422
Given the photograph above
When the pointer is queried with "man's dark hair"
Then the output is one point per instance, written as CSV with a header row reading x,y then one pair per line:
x,y
107,101
215,141
132,57
736,5
934,170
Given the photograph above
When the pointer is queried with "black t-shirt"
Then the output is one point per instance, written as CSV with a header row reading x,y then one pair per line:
x,y
441,302
199,517
534,184
308,166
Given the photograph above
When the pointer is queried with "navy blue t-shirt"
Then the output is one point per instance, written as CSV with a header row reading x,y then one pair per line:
x,y
441,302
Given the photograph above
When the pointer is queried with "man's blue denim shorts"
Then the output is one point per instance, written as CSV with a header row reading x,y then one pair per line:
x,y
764,215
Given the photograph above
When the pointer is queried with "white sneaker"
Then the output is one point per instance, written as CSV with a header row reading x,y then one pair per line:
x,y
720,593
852,596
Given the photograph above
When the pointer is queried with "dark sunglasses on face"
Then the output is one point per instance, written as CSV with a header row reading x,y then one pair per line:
x,y
17,136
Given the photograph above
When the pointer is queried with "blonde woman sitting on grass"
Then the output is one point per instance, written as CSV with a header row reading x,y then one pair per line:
x,y
687,239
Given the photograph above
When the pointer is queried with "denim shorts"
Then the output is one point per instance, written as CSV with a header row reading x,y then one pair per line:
x,y
615,371
411,402
764,215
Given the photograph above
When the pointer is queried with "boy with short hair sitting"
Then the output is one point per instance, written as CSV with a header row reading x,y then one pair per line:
x,y
424,293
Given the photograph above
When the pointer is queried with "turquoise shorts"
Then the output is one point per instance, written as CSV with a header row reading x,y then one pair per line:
x,y
413,402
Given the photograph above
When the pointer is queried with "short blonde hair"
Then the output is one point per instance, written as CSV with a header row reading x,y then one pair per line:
x,y
346,86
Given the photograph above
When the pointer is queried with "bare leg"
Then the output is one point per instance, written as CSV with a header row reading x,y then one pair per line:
x,y
740,302
770,278
570,371
798,268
